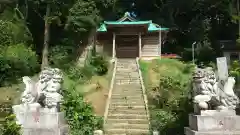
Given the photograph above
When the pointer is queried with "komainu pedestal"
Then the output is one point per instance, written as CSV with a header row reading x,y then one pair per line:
x,y
213,122
45,122
214,104
39,113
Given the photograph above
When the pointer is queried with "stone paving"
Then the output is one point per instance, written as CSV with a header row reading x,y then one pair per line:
x,y
127,114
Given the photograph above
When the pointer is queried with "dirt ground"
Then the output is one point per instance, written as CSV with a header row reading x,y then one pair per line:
x,y
97,93
98,100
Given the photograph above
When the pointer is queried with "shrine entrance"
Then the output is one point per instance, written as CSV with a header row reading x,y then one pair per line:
x,y
127,46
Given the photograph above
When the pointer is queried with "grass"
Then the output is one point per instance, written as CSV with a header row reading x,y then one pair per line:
x,y
161,115
153,70
96,91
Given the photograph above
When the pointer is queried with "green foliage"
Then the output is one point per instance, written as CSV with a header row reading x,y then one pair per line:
x,y
168,99
63,54
99,64
235,71
10,127
80,74
162,119
12,33
205,53
17,61
60,56
13,30
79,114
83,16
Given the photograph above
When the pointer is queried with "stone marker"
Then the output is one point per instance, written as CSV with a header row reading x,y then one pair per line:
x,y
214,103
39,112
156,133
98,132
222,68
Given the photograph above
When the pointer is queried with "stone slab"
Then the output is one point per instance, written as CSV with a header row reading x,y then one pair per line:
x,y
44,119
222,68
214,123
188,131
218,112
43,131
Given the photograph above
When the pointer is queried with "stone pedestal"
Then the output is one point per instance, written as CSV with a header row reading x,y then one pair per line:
x,y
46,122
212,122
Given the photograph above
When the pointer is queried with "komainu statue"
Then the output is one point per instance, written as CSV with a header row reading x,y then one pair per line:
x,y
45,92
211,93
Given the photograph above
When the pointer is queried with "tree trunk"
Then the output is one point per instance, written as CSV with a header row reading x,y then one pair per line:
x,y
46,39
238,13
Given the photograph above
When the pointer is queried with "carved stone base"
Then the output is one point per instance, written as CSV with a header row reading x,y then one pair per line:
x,y
46,122
188,131
43,131
212,122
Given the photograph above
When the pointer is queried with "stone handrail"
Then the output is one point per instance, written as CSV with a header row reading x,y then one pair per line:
x,y
143,90
110,92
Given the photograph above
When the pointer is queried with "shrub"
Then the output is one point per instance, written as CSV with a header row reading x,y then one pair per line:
x,y
100,64
17,61
169,84
79,114
235,71
63,55
80,74
10,127
13,32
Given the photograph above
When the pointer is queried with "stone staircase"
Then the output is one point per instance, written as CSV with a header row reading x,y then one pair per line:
x,y
127,113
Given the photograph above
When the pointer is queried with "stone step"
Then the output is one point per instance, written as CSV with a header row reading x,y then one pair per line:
x,y
131,91
120,96
124,87
129,121
128,93
127,82
126,116
128,111
126,60
134,107
130,87
126,78
127,126
126,104
126,69
120,71
149,54
126,132
127,87
125,96
150,51
129,100
127,66
127,74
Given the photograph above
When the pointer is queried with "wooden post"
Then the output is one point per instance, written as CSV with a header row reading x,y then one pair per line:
x,y
140,44
160,44
114,46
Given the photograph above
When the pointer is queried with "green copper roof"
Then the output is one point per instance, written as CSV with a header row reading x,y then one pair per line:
x,y
122,21
102,28
127,22
152,27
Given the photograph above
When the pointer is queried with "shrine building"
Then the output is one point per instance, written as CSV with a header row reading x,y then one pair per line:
x,y
130,38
